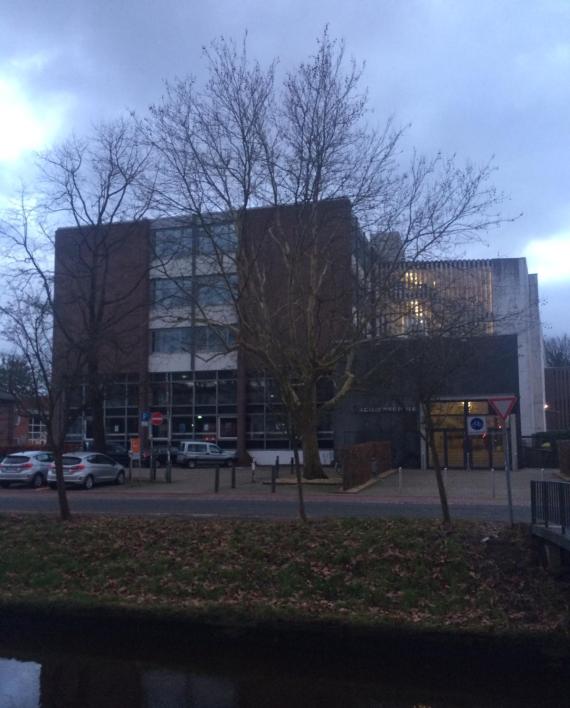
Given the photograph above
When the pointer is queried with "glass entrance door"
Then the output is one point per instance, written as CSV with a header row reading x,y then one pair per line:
x,y
450,449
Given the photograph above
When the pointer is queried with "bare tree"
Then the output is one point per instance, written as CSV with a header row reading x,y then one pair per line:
x,y
15,374
239,142
92,185
26,318
557,350
78,316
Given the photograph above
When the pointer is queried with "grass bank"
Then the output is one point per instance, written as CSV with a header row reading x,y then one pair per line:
x,y
476,577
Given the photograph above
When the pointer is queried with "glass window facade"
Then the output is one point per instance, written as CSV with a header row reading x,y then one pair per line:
x,y
207,238
267,422
205,290
171,340
171,292
199,405
211,339
171,243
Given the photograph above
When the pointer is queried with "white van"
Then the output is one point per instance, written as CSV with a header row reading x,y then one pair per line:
x,y
195,454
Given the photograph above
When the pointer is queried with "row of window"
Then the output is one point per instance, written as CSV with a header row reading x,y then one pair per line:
x,y
204,290
213,339
204,239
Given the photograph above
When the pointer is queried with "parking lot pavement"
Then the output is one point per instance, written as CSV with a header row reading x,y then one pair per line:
x,y
412,485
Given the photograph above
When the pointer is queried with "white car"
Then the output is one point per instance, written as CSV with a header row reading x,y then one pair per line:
x,y
196,454
30,468
86,469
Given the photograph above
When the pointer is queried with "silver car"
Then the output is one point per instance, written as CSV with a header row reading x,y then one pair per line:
x,y
85,469
192,453
29,468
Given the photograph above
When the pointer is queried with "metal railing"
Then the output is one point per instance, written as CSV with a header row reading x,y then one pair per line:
x,y
550,503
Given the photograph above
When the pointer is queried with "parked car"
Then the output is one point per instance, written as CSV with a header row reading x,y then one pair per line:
x,y
161,453
117,452
194,454
29,467
85,469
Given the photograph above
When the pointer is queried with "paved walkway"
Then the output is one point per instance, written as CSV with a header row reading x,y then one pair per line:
x,y
412,485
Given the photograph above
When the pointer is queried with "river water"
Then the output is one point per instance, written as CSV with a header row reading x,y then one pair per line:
x,y
233,678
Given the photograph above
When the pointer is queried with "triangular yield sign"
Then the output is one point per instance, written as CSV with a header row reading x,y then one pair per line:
x,y
503,405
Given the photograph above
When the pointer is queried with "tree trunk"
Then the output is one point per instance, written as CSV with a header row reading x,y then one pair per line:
x,y
437,466
299,475
98,423
312,468
56,442
64,510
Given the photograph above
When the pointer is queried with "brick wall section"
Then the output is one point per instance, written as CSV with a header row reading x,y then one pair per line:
x,y
359,462
326,231
116,259
7,420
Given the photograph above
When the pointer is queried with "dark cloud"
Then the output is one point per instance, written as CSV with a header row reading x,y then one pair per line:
x,y
477,78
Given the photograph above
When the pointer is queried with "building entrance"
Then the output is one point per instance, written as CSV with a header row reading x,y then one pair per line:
x,y
455,448
456,451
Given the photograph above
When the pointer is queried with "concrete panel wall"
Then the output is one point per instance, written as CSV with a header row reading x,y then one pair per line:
x,y
515,308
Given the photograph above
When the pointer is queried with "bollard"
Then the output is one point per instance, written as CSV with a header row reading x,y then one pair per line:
x,y
217,479
445,476
277,466
542,474
253,470
233,475
292,465
273,479
493,488
400,480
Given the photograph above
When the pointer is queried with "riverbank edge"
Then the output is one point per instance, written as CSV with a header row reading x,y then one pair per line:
x,y
391,645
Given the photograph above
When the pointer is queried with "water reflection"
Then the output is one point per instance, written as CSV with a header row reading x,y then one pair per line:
x,y
65,679
19,684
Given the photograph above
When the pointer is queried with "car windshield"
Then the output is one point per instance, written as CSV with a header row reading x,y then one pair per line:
x,y
68,460
16,460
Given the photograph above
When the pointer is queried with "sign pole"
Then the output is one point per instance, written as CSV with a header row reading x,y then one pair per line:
x,y
506,449
503,406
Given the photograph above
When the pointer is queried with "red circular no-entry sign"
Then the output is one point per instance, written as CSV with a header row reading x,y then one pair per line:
x,y
156,418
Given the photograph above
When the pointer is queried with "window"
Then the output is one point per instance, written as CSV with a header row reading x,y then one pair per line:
x,y
227,391
216,289
182,393
208,290
216,237
37,432
214,339
206,393
171,292
415,321
172,243
171,340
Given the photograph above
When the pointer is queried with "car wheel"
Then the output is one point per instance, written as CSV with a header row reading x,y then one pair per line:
x,y
120,478
37,481
4,485
191,464
88,483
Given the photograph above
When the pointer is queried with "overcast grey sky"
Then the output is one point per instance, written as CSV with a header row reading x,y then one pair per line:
x,y
477,78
